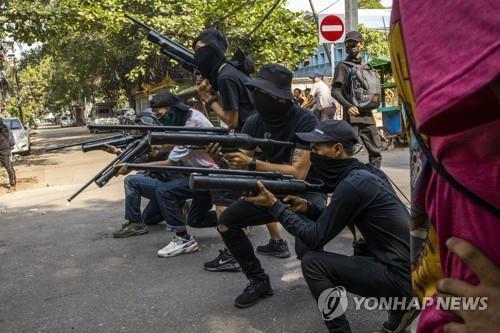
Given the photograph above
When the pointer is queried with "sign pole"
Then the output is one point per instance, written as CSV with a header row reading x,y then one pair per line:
x,y
333,59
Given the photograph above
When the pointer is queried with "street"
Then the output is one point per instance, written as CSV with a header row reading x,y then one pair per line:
x,y
61,270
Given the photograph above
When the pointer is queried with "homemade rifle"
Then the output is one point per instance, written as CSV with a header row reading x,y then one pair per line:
x,y
204,171
229,142
134,150
156,128
84,143
248,184
168,47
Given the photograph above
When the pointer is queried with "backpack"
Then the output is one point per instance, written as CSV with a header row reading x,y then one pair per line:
x,y
363,87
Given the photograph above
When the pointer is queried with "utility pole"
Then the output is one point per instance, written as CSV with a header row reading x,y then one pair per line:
x,y
327,51
351,15
18,95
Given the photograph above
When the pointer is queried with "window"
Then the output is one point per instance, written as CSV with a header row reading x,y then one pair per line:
x,y
322,59
12,124
315,60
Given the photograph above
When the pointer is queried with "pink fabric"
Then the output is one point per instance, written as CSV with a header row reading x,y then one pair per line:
x,y
453,51
473,158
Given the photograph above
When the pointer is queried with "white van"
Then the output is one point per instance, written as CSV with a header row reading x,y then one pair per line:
x,y
21,135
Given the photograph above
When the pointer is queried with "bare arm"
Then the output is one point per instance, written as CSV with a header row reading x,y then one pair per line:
x,y
228,117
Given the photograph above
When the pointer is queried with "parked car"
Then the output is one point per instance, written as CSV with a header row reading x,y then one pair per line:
x,y
102,115
67,121
21,135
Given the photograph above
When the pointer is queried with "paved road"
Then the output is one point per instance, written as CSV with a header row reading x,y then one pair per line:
x,y
62,272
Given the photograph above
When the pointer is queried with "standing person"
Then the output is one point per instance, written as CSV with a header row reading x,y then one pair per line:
x,y
6,143
224,80
297,97
324,107
362,197
361,119
453,105
308,102
277,118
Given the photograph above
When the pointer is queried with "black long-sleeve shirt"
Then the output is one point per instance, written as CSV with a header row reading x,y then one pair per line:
x,y
364,199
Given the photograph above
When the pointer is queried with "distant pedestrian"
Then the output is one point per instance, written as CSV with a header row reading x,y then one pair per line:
x,y
297,97
6,143
308,102
324,106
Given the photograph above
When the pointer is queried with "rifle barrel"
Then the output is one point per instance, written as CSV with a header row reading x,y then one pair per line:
x,y
84,142
156,128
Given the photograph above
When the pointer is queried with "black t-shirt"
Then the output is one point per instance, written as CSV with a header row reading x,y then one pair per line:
x,y
298,102
339,92
299,120
236,97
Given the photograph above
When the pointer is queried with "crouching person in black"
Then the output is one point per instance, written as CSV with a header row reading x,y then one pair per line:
x,y
362,197
279,119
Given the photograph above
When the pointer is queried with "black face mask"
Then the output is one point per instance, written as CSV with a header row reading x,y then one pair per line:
x,y
332,170
352,51
273,112
176,117
208,59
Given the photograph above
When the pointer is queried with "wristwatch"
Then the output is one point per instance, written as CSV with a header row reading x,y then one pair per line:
x,y
253,165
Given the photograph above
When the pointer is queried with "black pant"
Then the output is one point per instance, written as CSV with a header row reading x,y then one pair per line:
x,y
363,276
242,214
7,164
370,138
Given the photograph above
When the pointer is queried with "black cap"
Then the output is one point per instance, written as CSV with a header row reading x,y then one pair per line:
x,y
166,99
354,35
275,80
212,36
335,131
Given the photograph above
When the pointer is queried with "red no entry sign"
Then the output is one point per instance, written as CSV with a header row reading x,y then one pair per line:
x,y
331,28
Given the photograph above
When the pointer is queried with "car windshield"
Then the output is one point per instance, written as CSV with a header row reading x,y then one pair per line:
x,y
13,124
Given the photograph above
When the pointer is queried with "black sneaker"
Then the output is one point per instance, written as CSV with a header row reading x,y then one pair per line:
x,y
131,229
399,321
275,248
224,262
254,291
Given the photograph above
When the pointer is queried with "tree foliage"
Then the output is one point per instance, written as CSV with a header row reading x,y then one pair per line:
x,y
370,4
375,42
93,50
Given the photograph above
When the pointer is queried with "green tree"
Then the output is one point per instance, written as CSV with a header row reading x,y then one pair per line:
x,y
375,42
97,52
370,4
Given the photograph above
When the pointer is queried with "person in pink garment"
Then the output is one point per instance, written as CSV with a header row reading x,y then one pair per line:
x,y
446,62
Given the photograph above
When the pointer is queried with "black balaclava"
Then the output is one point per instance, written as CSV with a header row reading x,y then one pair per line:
x,y
208,59
332,170
176,116
273,112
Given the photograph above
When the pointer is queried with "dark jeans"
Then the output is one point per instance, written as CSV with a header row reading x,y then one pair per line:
x,y
177,190
7,164
242,214
137,186
363,276
370,138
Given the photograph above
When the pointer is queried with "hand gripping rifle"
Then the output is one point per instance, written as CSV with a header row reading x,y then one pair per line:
x,y
168,47
229,142
134,150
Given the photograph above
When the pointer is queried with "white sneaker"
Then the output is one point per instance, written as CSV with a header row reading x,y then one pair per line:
x,y
177,246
